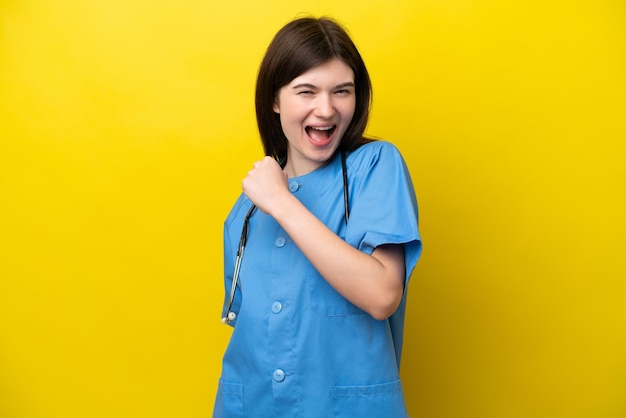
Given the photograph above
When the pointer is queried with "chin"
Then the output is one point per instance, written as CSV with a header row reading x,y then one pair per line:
x,y
322,156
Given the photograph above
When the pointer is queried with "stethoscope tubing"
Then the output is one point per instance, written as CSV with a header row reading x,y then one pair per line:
x,y
240,250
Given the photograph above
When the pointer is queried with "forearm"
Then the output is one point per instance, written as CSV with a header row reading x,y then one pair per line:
x,y
374,283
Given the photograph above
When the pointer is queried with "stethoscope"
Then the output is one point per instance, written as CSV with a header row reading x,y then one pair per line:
x,y
244,237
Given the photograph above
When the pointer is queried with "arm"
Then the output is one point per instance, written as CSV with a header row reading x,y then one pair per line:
x,y
374,283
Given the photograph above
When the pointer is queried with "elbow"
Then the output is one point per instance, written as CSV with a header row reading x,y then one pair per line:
x,y
381,315
385,306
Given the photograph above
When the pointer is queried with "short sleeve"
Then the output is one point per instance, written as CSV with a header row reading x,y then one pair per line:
x,y
383,206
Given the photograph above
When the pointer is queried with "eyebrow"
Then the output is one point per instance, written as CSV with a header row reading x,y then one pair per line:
x,y
311,86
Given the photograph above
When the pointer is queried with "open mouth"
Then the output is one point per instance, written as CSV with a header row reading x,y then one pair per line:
x,y
320,134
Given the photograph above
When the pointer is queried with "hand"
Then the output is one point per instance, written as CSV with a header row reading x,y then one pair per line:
x,y
266,184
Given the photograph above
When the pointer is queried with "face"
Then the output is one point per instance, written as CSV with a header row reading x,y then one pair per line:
x,y
315,111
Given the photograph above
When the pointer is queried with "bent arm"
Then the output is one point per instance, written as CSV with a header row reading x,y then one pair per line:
x,y
374,283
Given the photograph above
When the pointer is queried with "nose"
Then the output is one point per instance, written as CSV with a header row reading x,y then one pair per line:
x,y
324,107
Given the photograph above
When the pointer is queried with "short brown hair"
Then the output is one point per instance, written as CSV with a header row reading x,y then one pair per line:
x,y
300,45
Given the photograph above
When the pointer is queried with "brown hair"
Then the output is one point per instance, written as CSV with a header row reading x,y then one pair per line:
x,y
300,45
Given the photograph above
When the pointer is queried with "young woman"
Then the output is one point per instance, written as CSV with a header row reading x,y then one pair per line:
x,y
328,222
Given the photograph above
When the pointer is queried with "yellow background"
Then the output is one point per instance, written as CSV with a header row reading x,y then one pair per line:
x,y
126,127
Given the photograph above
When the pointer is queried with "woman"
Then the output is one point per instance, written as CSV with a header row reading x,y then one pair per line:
x,y
328,221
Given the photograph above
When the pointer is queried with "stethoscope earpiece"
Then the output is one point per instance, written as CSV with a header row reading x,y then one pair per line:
x,y
229,317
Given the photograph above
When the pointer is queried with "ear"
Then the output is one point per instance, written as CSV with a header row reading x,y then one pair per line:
x,y
275,106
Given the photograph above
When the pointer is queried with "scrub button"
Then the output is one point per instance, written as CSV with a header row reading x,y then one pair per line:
x,y
280,242
277,307
294,186
278,375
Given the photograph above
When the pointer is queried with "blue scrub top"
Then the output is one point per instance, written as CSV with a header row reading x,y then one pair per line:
x,y
299,348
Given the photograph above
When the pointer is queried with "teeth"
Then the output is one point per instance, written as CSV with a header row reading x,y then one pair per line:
x,y
322,128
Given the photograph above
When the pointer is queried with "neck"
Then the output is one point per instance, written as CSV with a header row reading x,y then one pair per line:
x,y
290,170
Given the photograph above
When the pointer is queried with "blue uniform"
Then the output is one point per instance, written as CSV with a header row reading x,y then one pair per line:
x,y
299,348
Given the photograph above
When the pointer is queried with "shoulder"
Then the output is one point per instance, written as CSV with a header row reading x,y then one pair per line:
x,y
238,211
377,152
376,146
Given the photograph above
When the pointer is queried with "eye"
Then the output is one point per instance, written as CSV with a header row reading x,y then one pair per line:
x,y
343,91
305,92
